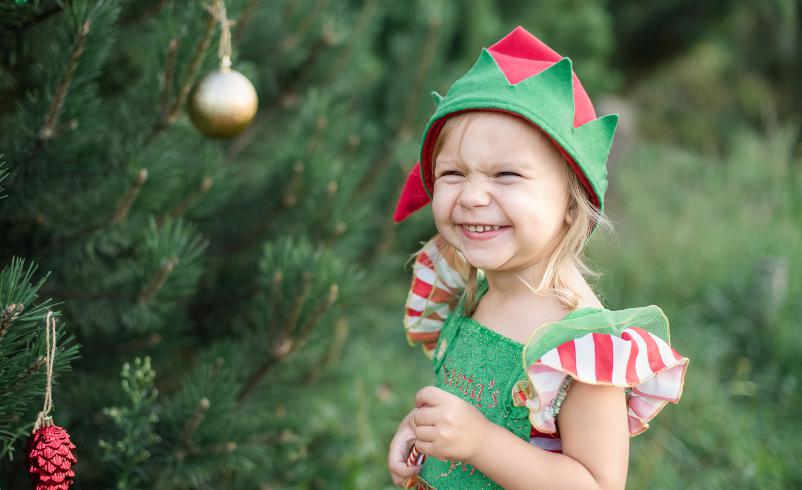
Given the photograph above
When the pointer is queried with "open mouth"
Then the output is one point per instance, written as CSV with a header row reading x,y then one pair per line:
x,y
482,232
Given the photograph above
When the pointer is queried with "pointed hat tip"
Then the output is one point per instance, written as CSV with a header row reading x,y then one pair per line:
x,y
519,29
521,43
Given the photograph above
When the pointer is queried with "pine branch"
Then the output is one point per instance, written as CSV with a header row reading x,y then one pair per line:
x,y
24,377
246,16
128,198
249,385
171,115
185,204
297,306
192,72
294,80
49,129
286,346
334,352
78,233
276,284
158,281
121,212
169,72
192,424
321,309
290,194
10,314
287,100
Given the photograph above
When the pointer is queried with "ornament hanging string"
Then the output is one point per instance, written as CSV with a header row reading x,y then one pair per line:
x,y
218,11
44,419
50,455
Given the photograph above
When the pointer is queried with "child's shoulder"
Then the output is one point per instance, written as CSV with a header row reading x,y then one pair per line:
x,y
628,348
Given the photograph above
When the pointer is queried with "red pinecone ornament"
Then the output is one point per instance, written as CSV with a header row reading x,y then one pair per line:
x,y
50,458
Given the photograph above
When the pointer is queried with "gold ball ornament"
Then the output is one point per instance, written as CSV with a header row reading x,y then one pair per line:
x,y
222,103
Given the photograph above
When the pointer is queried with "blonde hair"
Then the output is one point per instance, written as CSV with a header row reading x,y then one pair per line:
x,y
571,245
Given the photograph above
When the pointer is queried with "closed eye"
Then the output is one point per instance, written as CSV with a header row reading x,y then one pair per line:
x,y
499,174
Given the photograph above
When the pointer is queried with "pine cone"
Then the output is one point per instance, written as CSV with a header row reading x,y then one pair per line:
x,y
50,458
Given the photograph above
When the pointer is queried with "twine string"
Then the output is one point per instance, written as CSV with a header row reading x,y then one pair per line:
x,y
218,11
44,419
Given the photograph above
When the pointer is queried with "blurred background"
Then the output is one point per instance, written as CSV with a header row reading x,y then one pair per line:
x,y
230,311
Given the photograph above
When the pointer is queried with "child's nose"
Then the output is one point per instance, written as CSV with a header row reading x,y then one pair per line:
x,y
474,192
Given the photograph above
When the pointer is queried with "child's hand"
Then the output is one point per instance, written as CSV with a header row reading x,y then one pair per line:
x,y
400,446
446,426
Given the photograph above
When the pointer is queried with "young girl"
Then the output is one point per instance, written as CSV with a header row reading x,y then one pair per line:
x,y
537,385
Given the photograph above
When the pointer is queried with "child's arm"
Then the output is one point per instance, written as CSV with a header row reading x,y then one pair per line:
x,y
595,437
595,445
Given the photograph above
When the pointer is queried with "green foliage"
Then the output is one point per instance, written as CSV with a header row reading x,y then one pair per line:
x,y
136,424
203,441
23,352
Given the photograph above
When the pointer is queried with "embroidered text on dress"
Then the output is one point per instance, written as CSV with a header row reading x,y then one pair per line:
x,y
453,464
470,386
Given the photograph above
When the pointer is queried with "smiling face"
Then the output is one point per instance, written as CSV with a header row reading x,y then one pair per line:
x,y
497,169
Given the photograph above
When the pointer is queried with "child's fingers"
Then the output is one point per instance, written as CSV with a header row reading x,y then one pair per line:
x,y
428,395
399,451
424,416
425,447
400,471
425,433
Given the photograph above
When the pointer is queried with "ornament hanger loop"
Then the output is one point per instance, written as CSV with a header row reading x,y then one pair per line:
x,y
218,11
44,419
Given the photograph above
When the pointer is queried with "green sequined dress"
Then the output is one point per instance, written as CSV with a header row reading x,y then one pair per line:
x,y
521,386
482,367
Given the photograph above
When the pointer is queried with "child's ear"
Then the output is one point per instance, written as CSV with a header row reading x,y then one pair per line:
x,y
570,214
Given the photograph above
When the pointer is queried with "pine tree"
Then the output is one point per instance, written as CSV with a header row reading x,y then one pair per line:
x,y
204,280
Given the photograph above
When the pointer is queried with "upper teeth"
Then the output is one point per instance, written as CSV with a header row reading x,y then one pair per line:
x,y
481,228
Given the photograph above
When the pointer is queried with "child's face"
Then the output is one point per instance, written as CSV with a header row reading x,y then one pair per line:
x,y
473,186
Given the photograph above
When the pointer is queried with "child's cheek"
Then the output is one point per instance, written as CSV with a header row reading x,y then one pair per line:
x,y
439,210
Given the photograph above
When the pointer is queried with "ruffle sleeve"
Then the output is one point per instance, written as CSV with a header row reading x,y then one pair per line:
x,y
626,348
434,291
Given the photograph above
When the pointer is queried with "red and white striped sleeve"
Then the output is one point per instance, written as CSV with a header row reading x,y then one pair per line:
x,y
434,291
650,370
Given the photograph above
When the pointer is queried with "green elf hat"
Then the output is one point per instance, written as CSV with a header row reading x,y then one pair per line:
x,y
522,76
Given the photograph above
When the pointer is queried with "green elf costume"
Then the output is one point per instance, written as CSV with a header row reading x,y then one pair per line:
x,y
521,386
